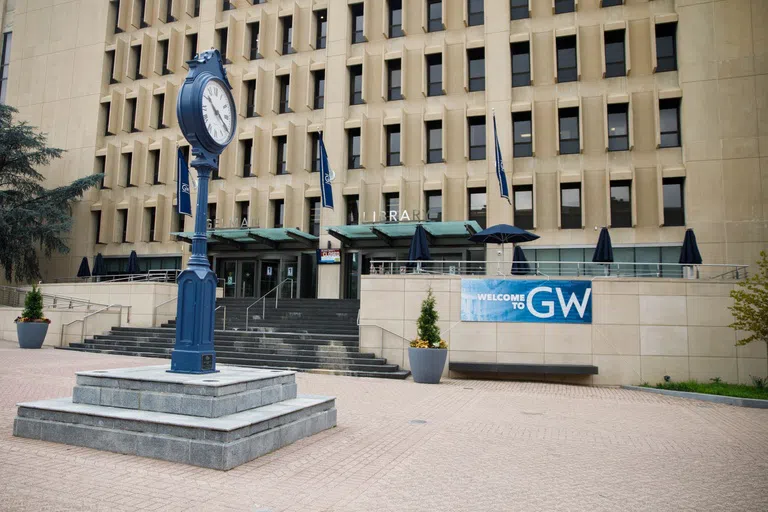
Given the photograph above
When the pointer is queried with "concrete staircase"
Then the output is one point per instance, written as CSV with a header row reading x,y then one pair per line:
x,y
319,336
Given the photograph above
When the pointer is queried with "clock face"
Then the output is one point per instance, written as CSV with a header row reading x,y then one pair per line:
x,y
217,112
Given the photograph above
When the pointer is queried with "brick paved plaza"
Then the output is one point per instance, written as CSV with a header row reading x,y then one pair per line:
x,y
462,445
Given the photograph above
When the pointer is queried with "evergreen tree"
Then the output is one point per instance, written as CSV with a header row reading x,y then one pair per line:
x,y
427,328
33,305
33,219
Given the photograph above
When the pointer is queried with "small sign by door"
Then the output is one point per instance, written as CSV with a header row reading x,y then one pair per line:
x,y
269,271
290,271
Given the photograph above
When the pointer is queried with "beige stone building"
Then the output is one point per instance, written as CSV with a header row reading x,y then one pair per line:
x,y
644,116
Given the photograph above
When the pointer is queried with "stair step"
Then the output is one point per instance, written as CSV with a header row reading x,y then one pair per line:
x,y
292,348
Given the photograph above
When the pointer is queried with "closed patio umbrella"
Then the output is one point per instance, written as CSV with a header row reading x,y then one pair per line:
x,y
419,249
689,253
520,265
133,263
98,266
604,250
84,270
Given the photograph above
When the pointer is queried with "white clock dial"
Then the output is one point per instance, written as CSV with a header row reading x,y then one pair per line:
x,y
217,112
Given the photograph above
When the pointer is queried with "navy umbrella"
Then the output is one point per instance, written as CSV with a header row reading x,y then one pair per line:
x,y
419,250
133,263
502,234
689,253
98,266
84,270
520,265
604,250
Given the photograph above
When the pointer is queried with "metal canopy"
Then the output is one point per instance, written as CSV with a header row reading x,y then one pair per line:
x,y
399,234
256,238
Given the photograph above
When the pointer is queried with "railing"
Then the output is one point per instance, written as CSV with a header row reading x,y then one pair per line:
x,y
154,311
154,276
263,300
86,317
14,297
224,326
563,269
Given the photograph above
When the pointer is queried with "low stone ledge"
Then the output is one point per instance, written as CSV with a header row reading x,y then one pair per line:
x,y
755,403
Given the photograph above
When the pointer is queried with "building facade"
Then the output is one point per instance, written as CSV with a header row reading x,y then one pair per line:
x,y
644,116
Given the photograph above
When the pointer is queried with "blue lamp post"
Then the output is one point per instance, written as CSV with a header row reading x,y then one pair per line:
x,y
207,117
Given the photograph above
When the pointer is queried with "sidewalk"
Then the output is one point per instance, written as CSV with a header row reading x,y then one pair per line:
x,y
460,446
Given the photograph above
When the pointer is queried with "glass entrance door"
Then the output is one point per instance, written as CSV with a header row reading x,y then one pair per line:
x,y
247,279
352,275
288,270
269,274
229,273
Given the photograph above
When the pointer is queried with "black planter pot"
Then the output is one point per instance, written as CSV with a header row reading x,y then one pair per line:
x,y
427,364
31,334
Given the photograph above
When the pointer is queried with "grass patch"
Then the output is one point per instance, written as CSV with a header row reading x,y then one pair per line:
x,y
714,388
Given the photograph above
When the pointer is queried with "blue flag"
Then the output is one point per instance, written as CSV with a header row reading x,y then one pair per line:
x,y
326,175
500,174
183,198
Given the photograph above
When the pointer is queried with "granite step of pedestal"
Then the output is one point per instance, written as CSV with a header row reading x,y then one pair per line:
x,y
153,388
217,443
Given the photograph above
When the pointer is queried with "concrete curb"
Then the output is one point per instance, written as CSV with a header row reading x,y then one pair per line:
x,y
755,403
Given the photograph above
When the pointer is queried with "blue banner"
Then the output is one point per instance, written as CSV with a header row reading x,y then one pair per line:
x,y
326,191
183,197
511,300
500,174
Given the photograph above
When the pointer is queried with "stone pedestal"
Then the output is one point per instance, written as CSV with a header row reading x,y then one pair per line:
x,y
215,421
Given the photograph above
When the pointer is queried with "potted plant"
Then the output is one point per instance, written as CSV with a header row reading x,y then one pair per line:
x,y
428,352
32,326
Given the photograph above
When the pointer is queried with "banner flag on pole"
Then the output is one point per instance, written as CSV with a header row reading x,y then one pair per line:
x,y
326,176
183,197
500,174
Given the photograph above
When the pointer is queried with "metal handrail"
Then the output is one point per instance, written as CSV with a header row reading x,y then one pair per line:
x,y
154,311
157,275
86,317
67,301
224,326
264,297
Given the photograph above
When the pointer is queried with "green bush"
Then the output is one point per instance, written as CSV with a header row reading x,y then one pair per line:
x,y
428,333
33,306
715,388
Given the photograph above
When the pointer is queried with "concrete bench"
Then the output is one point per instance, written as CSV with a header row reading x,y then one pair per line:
x,y
503,368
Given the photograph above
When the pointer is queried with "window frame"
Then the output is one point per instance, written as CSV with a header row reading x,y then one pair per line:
x,y
475,17
564,6
516,11
520,148
247,148
315,155
281,154
355,97
668,219
570,221
354,161
394,137
321,20
563,113
319,83
357,36
431,156
428,196
521,216
670,104
389,199
618,142
478,81
435,24
615,68
314,210
253,52
285,94
434,87
668,62
523,77
394,93
484,210
278,213
286,25
352,213
395,31
621,215
567,74
477,147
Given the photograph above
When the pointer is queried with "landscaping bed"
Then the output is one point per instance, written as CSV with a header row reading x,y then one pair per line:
x,y
715,388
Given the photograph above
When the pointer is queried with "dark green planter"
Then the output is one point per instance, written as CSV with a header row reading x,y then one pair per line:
x,y
31,334
427,364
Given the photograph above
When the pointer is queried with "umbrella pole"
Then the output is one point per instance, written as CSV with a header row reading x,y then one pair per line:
x,y
498,262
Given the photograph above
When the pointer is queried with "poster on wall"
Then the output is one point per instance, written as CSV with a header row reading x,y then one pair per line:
x,y
328,256
510,300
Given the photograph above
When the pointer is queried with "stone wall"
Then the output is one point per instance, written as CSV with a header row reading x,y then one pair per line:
x,y
96,324
641,330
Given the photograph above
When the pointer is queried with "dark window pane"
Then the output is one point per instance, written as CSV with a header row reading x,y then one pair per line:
x,y
523,205
394,80
319,89
621,204
314,216
356,85
279,213
562,6
321,18
618,127
434,142
522,130
475,11
251,93
358,22
478,206
435,15
285,93
434,74
614,54
518,9
570,206
353,209
315,162
521,64
666,47
476,58
674,202
566,59
254,50
434,202
396,18
569,130
669,119
611,3
353,149
476,138
247,148
392,204
282,155
393,145
287,22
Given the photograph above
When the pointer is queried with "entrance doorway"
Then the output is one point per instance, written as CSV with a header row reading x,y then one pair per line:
x,y
269,274
247,279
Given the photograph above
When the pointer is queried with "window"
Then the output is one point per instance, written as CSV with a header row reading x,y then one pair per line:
x,y
315,162
434,141
215,175
523,205
434,74
130,112
563,6
674,203
476,58
254,45
221,35
522,132
136,61
314,216
358,23
434,15
319,89
394,80
196,9
142,13
169,11
287,23
101,168
321,19
246,146
96,216
666,47
110,68
615,59
395,18
150,215
518,9
154,162
191,46
521,64
566,59
669,119
114,9
434,200
105,109
356,85
122,221
621,204
243,217
226,5
159,108
250,91
392,204
164,57
475,12
285,94
282,154
476,138
570,206
478,206
611,3
569,131
211,215
353,209
618,127
393,145
353,148
278,208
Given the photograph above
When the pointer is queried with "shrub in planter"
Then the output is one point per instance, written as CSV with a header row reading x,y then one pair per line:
x,y
32,326
428,352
